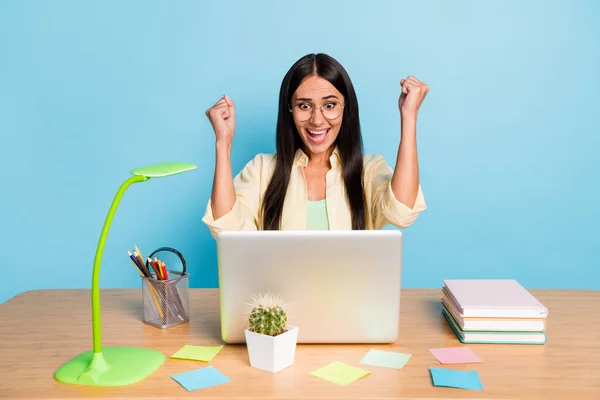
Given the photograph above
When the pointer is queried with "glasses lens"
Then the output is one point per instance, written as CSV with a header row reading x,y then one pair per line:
x,y
302,113
331,110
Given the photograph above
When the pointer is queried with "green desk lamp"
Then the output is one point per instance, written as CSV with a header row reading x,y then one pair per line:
x,y
115,366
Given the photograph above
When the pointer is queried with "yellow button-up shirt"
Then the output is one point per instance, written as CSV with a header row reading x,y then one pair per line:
x,y
382,207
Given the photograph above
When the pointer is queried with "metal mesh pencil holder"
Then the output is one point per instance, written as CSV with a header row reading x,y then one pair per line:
x,y
166,302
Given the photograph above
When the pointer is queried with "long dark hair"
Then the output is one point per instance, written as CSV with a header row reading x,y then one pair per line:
x,y
288,140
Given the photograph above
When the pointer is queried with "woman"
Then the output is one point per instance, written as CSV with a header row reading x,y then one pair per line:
x,y
318,178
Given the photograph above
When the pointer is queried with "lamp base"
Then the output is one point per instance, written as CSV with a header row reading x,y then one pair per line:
x,y
114,366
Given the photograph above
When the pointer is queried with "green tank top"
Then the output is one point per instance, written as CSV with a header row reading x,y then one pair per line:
x,y
316,216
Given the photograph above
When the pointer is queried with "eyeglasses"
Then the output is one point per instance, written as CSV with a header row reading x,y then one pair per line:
x,y
304,111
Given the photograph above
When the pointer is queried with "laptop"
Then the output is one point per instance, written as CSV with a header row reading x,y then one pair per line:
x,y
337,286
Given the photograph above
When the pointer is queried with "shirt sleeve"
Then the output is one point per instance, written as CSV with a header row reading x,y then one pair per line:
x,y
245,212
384,208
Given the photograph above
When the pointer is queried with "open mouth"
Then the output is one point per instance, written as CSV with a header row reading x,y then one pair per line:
x,y
318,136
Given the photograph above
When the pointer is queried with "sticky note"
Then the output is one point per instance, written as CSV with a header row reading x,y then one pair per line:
x,y
455,355
340,373
387,359
456,379
199,353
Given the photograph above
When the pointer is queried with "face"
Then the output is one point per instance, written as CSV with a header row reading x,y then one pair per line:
x,y
319,96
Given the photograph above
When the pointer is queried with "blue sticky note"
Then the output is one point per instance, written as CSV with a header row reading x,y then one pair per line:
x,y
201,378
456,379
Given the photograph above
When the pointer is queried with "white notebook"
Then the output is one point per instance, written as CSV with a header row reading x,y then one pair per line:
x,y
493,324
493,298
495,337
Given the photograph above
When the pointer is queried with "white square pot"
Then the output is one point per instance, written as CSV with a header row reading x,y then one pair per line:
x,y
272,353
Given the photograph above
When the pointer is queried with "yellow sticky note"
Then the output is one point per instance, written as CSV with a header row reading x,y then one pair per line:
x,y
340,373
199,353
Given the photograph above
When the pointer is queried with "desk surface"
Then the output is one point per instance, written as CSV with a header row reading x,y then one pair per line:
x,y
42,329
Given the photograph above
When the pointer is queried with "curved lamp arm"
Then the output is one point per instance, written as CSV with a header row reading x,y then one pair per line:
x,y
97,331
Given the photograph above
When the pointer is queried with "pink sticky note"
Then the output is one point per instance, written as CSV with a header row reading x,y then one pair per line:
x,y
455,355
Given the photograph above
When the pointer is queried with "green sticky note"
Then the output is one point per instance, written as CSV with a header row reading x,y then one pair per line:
x,y
340,373
199,353
387,359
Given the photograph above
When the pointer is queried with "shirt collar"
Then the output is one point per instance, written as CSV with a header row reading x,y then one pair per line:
x,y
302,159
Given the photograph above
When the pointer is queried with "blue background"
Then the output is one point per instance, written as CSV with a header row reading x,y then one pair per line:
x,y
509,134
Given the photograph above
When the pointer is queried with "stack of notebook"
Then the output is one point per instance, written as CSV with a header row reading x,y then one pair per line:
x,y
493,311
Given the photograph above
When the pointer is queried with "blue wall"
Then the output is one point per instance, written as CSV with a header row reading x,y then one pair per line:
x,y
509,135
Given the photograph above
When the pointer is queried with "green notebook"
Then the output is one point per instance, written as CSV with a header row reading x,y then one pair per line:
x,y
490,337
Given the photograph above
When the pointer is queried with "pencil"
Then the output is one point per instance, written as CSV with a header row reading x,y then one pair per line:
x,y
140,264
136,266
157,266
156,270
164,270
138,254
135,262
152,288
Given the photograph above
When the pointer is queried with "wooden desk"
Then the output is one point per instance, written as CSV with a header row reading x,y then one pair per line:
x,y
42,329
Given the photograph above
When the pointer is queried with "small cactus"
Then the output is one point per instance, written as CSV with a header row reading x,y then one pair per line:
x,y
266,315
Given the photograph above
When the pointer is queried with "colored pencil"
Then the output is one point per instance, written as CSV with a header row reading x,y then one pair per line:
x,y
138,254
156,270
164,270
136,262
152,288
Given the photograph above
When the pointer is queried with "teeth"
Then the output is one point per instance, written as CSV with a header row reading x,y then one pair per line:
x,y
317,132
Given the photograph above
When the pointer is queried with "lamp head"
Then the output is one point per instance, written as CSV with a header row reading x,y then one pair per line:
x,y
163,169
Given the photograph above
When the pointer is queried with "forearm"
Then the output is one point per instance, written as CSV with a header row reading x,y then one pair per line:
x,y
223,191
405,180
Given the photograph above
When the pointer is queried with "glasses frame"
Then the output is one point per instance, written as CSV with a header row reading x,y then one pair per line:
x,y
320,108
